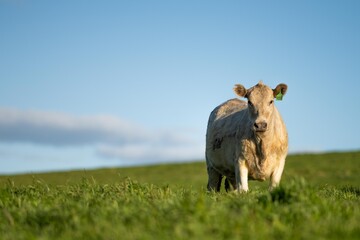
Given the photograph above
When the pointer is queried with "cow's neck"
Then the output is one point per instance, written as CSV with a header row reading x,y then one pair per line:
x,y
262,140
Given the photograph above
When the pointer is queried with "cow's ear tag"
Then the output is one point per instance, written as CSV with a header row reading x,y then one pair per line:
x,y
279,96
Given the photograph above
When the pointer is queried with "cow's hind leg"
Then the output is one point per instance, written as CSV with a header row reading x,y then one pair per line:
x,y
214,181
230,184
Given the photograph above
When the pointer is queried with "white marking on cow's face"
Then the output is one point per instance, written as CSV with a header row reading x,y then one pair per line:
x,y
260,107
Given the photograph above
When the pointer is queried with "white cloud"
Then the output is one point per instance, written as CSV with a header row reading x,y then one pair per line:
x,y
110,136
61,129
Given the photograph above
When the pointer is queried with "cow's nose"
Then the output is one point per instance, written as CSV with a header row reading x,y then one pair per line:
x,y
260,126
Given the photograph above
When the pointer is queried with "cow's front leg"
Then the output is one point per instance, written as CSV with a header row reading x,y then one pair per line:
x,y
276,175
241,174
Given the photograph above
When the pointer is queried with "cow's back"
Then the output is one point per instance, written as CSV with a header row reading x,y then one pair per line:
x,y
221,134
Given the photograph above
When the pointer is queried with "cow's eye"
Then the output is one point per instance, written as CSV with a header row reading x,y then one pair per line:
x,y
271,102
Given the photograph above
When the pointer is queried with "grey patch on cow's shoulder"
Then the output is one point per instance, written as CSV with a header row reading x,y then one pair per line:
x,y
217,143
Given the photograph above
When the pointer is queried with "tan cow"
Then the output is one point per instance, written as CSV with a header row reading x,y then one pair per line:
x,y
246,140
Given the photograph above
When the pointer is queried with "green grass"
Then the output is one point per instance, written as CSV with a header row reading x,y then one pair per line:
x,y
319,198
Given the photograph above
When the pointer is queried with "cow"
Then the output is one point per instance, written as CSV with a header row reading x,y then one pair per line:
x,y
246,140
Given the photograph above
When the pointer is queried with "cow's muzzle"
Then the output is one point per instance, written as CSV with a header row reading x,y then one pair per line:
x,y
260,126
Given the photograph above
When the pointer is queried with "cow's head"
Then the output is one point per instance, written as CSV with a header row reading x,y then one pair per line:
x,y
260,103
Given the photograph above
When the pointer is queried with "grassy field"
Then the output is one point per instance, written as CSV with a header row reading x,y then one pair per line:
x,y
319,198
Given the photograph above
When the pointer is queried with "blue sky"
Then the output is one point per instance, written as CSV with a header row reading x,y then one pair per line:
x,y
86,84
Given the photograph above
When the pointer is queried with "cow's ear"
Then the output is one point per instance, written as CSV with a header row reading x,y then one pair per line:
x,y
240,90
280,90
